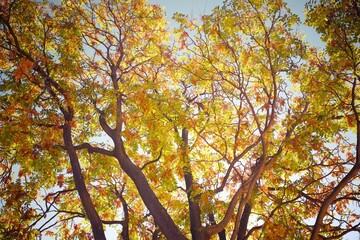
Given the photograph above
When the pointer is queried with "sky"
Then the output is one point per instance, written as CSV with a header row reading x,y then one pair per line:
x,y
196,8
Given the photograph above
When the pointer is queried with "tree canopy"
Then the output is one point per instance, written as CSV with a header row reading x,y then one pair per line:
x,y
231,126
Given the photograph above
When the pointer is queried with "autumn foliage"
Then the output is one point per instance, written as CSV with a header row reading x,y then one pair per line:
x,y
230,126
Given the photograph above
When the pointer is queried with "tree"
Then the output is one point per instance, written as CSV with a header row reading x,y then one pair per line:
x,y
236,128
337,22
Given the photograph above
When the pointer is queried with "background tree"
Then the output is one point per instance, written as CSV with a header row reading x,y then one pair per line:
x,y
238,129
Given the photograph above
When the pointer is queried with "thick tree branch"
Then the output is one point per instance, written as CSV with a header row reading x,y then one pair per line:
x,y
151,201
92,149
152,161
87,203
244,222
222,233
194,208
